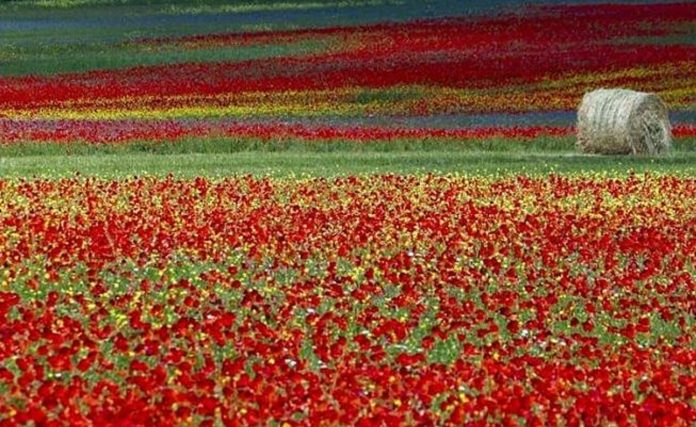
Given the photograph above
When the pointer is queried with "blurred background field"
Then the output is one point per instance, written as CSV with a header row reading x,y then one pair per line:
x,y
91,77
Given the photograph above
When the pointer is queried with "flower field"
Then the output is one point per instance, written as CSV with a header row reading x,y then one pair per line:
x,y
341,212
381,300
318,82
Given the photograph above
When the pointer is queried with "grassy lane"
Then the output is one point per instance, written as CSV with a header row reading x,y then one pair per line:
x,y
215,145
52,60
227,145
336,163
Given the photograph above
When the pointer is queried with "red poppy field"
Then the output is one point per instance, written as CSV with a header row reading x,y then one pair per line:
x,y
380,300
342,213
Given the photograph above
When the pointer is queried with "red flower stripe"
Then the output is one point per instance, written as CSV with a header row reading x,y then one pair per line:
x,y
382,300
112,132
450,52
124,131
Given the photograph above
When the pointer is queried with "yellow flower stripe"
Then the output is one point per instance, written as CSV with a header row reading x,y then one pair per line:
x,y
677,87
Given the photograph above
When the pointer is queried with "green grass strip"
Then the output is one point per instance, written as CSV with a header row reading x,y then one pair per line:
x,y
289,163
222,145
211,145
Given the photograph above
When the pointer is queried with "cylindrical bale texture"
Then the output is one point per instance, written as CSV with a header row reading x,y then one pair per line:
x,y
621,121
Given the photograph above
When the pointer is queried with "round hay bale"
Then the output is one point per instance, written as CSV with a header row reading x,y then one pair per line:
x,y
621,121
